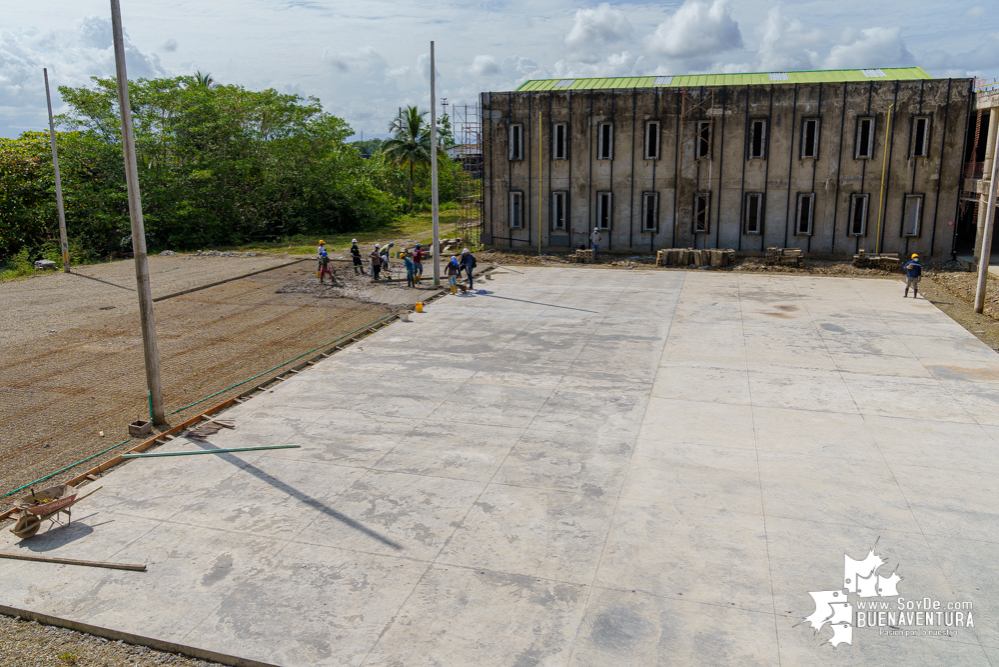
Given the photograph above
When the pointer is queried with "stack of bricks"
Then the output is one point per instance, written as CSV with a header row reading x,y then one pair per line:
x,y
584,256
713,257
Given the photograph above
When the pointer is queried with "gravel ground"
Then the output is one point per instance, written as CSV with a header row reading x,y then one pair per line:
x,y
56,300
71,393
26,643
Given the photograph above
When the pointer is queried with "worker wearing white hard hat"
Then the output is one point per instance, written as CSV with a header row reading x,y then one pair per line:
x,y
595,238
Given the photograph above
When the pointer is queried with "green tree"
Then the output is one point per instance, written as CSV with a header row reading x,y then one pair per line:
x,y
410,143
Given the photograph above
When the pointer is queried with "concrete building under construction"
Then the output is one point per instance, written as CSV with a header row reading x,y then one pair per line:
x,y
829,161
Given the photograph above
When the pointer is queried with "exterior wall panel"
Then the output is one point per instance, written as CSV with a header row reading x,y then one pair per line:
x,y
728,174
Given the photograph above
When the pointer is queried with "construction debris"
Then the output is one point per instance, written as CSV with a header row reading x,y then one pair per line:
x,y
45,265
785,257
888,261
210,427
715,258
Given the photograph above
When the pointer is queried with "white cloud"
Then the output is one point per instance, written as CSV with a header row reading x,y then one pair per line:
x,y
593,30
697,29
170,45
71,56
787,45
871,47
484,66
354,61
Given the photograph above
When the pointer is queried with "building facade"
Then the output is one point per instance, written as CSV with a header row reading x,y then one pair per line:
x,y
746,161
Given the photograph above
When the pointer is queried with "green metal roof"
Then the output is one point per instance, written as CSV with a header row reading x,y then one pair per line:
x,y
693,80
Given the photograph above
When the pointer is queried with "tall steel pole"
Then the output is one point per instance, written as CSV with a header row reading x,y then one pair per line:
x,y
63,242
986,254
433,170
138,232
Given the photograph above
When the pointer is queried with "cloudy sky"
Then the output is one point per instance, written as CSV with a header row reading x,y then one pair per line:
x,y
365,59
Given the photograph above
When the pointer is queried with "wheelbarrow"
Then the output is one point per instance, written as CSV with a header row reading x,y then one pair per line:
x,y
46,504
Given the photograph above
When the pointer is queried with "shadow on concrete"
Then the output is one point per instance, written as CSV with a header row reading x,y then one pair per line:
x,y
538,303
298,495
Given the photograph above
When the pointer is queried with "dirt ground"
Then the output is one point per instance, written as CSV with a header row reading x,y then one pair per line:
x,y
71,391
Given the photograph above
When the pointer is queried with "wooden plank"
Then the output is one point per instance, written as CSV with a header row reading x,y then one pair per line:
x,y
72,561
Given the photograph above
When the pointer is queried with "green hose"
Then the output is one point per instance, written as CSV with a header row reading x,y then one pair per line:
x,y
42,479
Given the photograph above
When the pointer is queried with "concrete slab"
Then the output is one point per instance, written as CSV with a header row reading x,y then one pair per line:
x,y
581,467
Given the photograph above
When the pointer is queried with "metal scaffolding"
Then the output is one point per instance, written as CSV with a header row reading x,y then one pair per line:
x,y
468,150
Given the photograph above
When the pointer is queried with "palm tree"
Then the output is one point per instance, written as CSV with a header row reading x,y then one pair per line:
x,y
410,143
203,80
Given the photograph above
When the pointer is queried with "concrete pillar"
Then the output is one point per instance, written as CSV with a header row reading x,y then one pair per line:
x,y
990,143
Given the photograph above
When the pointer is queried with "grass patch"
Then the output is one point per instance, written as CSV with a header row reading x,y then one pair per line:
x,y
418,226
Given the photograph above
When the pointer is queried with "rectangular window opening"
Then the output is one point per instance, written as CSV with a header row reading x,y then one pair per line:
x,y
865,138
921,136
516,210
605,141
858,214
913,213
702,206
560,209
810,138
754,212
517,142
652,140
650,211
560,149
605,208
703,140
757,139
806,205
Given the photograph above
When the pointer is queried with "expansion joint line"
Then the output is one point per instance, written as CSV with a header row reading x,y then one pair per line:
x,y
759,470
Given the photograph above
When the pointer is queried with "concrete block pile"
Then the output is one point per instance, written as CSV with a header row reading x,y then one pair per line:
x,y
716,258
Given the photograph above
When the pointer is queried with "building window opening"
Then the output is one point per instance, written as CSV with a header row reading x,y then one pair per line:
x,y
517,142
560,210
921,136
560,137
703,139
913,212
806,202
605,208
702,205
605,141
754,212
650,211
757,139
516,210
865,138
858,214
810,138
652,140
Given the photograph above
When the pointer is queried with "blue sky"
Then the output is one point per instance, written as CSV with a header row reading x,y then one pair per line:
x,y
365,59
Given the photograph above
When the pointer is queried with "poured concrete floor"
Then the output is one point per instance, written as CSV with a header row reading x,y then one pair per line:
x,y
584,467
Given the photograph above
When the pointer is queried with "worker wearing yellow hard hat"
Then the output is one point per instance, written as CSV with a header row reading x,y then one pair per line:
x,y
913,270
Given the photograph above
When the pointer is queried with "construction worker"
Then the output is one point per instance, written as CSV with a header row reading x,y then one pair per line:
x,y
376,261
418,256
385,254
595,238
410,269
468,264
913,270
324,266
319,255
451,270
355,254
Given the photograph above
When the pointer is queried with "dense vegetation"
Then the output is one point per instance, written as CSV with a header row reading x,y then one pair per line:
x,y
218,164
